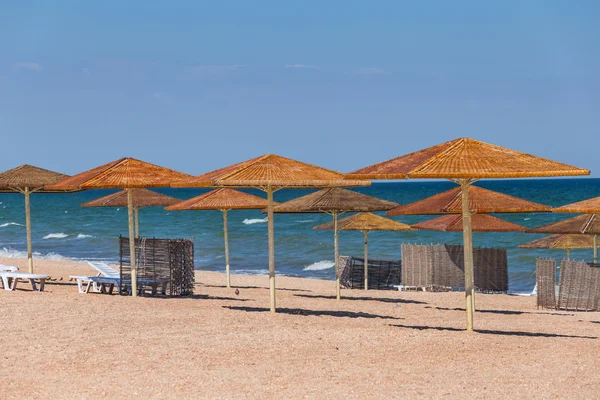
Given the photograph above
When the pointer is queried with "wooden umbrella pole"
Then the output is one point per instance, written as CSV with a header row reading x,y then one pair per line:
x,y
226,237
137,222
27,193
336,255
131,243
468,252
271,234
366,260
568,254
595,249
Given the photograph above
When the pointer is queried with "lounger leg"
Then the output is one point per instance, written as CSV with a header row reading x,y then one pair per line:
x,y
14,282
42,284
87,287
33,286
111,287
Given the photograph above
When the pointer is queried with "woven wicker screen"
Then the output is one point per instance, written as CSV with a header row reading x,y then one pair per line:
x,y
383,274
170,259
438,267
546,283
579,286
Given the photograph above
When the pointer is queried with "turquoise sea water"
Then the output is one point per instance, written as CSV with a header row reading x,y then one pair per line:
x,y
62,229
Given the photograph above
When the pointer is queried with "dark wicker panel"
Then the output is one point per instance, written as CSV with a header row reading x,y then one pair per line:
x,y
579,286
546,283
383,274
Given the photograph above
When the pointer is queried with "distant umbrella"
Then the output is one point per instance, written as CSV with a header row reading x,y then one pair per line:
x,y
480,223
335,201
27,179
141,198
222,200
271,173
365,222
128,174
564,241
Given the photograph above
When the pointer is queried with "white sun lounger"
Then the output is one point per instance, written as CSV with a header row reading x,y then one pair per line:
x,y
8,268
109,277
10,280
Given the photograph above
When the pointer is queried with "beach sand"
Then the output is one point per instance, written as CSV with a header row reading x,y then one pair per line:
x,y
375,344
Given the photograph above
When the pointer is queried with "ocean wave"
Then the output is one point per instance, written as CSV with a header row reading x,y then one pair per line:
x,y
10,223
55,236
254,221
260,272
305,220
319,266
82,236
12,253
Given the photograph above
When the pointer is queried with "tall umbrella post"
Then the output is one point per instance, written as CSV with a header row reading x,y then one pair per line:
x,y
226,238
366,240
336,256
137,221
271,234
27,192
595,249
468,253
131,243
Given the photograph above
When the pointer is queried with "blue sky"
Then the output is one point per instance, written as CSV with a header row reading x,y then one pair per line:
x,y
197,85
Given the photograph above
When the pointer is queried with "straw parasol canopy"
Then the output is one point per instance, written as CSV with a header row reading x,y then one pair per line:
x,y
27,179
480,201
271,173
464,161
480,223
587,224
561,241
223,200
589,206
335,201
141,198
365,222
124,173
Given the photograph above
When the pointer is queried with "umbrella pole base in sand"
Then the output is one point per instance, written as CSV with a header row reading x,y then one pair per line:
x,y
366,260
226,238
27,193
132,243
271,227
336,255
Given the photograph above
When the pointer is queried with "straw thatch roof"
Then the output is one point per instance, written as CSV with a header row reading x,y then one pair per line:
x,y
366,222
141,198
480,223
122,173
272,170
480,201
334,199
585,224
222,199
561,242
588,206
28,176
466,158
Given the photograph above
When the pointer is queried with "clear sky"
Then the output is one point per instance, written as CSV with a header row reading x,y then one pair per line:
x,y
198,85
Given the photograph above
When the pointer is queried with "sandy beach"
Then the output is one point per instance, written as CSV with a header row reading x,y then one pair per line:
x,y
62,344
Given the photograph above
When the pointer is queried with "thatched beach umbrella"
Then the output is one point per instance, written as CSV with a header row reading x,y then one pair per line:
x,y
365,222
140,198
127,173
587,224
465,161
479,223
567,242
222,200
480,201
335,201
27,179
271,173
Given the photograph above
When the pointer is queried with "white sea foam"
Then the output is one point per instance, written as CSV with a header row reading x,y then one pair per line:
x,y
82,236
255,221
10,223
305,220
252,272
12,253
55,236
526,219
319,266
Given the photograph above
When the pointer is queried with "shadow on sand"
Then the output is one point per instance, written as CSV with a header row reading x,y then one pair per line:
x,y
492,332
317,313
505,312
382,299
250,287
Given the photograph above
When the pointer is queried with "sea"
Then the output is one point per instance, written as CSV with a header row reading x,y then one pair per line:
x,y
63,230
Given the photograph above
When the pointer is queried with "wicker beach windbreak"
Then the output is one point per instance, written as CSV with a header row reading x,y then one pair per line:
x,y
224,199
27,179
